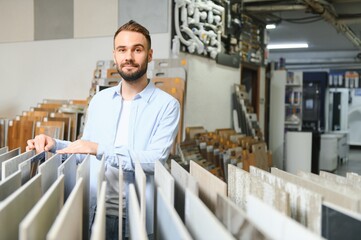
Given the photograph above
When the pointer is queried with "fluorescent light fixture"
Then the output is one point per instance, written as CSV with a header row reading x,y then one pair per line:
x,y
270,26
287,45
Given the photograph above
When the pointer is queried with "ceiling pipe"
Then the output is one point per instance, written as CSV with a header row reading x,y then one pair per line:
x,y
275,8
331,18
349,20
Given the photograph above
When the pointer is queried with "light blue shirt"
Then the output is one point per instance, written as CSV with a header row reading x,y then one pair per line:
x,y
153,126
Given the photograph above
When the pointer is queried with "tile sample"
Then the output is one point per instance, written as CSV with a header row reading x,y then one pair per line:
x,y
165,181
15,207
276,225
68,224
101,175
168,224
201,222
236,221
327,194
239,186
68,168
354,178
98,227
136,223
49,171
39,220
140,180
12,165
182,180
8,155
10,185
333,177
83,171
305,205
339,223
209,185
4,150
121,203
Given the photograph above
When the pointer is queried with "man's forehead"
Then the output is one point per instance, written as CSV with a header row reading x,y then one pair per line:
x,y
129,38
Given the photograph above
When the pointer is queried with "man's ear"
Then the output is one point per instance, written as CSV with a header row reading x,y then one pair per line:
x,y
150,55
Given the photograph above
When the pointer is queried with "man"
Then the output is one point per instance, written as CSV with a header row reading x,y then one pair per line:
x,y
134,121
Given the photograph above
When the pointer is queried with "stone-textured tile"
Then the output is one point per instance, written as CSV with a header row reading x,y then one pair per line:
x,y
69,222
39,220
239,184
136,223
209,185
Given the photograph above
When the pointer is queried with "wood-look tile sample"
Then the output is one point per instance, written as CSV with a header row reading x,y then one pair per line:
x,y
201,222
239,184
121,202
276,225
68,168
6,156
49,171
83,171
182,180
4,150
340,223
98,227
39,220
10,185
354,194
15,207
12,165
136,223
140,181
68,224
305,205
327,194
209,185
169,225
235,220
165,181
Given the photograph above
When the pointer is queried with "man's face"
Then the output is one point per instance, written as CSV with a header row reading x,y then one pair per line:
x,y
131,55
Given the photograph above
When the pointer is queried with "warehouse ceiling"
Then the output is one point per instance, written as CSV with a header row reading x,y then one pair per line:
x,y
333,25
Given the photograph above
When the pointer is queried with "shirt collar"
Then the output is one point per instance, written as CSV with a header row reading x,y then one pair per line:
x,y
145,94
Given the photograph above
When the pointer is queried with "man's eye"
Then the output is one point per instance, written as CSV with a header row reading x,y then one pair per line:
x,y
138,50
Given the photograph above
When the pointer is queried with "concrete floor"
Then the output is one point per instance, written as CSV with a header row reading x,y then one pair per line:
x,y
352,165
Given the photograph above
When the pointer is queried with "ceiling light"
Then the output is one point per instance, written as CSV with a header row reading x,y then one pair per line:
x,y
270,26
287,45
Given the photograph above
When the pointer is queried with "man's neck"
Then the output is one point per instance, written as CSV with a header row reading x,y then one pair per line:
x,y
130,89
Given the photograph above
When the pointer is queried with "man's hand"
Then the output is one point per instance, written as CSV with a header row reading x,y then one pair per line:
x,y
40,143
80,146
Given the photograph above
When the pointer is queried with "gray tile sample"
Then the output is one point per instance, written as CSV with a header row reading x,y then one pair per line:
x,y
209,185
136,223
12,165
165,181
101,175
68,224
305,205
83,171
327,194
68,168
121,203
182,180
168,224
276,225
3,150
201,222
98,227
49,171
25,168
235,220
15,207
140,181
8,155
338,223
39,220
10,185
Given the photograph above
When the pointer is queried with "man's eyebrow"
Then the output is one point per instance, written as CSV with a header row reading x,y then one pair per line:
x,y
135,45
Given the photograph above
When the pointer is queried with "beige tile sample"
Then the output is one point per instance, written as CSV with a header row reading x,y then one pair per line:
x,y
354,178
209,185
69,222
83,171
38,221
10,185
140,181
165,181
201,222
333,177
182,181
49,171
15,207
169,224
239,186
276,225
98,227
327,194
11,165
236,221
305,205
136,223
68,168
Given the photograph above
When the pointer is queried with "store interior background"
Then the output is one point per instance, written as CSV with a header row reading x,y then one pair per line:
x,y
34,68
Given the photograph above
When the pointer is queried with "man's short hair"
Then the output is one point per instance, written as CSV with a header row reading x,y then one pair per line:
x,y
133,26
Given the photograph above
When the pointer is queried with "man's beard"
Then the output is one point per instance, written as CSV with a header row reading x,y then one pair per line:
x,y
133,76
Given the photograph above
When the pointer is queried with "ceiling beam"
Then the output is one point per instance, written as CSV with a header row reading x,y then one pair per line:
x,y
275,8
